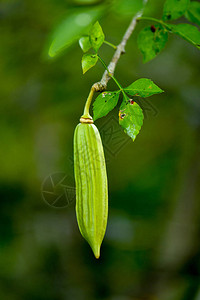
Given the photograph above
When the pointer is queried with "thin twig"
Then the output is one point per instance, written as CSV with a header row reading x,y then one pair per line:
x,y
101,85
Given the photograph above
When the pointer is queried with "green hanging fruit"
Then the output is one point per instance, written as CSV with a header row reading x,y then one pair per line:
x,y
91,184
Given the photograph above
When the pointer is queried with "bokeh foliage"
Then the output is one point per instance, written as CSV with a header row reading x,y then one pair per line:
x,y
151,249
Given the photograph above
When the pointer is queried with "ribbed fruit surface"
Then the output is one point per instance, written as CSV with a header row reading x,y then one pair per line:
x,y
91,185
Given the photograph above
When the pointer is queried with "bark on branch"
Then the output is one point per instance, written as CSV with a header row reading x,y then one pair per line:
x,y
101,85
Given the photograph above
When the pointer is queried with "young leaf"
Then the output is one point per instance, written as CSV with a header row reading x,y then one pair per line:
x,y
88,61
143,87
188,32
96,36
193,12
72,28
85,44
174,9
151,40
104,103
130,117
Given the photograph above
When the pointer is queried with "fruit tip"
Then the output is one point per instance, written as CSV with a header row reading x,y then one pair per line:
x,y
96,251
97,256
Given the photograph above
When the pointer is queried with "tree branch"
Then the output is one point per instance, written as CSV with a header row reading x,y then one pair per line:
x,y
101,85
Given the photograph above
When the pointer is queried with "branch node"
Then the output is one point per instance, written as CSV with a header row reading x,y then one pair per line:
x,y
98,87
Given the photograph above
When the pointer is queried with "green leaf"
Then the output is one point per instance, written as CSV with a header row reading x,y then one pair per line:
x,y
88,61
130,117
174,9
128,7
188,32
193,12
143,87
104,103
85,44
72,28
151,40
96,36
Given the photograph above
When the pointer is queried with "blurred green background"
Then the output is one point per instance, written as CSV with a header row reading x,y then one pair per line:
x,y
151,250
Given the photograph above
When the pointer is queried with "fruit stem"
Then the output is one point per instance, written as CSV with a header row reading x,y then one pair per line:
x,y
86,113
